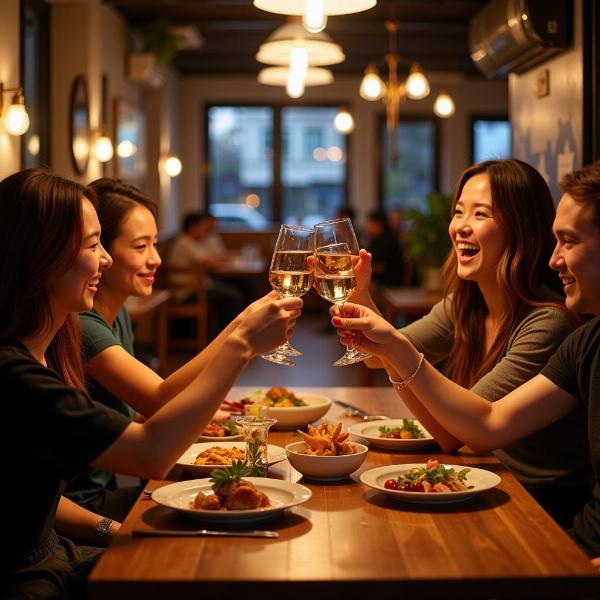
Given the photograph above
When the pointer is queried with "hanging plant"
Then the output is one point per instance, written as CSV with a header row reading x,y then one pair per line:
x,y
159,40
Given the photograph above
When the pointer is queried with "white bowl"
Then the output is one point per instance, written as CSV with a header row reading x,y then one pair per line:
x,y
292,417
325,468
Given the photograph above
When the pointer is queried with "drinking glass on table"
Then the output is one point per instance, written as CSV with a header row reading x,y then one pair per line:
x,y
336,251
290,275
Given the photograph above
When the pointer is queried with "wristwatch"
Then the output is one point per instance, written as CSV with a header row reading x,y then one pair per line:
x,y
104,527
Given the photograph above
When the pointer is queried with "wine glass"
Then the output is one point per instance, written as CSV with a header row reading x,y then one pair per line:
x,y
336,251
290,275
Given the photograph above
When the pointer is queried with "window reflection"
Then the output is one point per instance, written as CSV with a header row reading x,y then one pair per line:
x,y
35,19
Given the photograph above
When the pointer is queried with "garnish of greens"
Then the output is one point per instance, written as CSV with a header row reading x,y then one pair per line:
x,y
250,467
227,475
231,426
407,425
254,457
439,474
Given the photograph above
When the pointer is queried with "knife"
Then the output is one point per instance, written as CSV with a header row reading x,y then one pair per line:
x,y
355,410
202,533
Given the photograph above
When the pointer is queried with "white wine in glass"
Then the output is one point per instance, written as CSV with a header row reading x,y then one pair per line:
x,y
336,248
290,275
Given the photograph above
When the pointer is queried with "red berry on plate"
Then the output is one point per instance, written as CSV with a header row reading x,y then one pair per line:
x,y
417,487
391,484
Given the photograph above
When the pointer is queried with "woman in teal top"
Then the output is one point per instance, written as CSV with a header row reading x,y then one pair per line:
x,y
115,376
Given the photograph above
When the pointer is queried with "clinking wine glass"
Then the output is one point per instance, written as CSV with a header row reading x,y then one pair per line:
x,y
290,275
336,250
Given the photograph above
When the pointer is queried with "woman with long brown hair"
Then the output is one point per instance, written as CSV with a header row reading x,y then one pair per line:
x,y
115,376
51,262
501,318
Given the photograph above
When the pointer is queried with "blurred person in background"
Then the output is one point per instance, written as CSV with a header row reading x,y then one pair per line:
x,y
387,259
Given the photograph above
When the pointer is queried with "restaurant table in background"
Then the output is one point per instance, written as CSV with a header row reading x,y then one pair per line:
x,y
411,302
349,541
141,308
239,266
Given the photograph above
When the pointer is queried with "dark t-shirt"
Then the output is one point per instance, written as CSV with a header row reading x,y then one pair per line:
x,y
50,432
575,367
96,336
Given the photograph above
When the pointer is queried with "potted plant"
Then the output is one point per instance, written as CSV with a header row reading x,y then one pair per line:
x,y
427,239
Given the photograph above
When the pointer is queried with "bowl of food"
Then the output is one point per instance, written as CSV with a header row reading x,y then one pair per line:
x,y
324,454
291,409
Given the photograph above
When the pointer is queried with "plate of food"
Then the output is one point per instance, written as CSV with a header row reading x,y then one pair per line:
x,y
431,482
393,434
229,496
202,458
218,431
292,409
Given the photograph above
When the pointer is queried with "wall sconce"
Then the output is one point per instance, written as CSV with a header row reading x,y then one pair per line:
x,y
171,165
15,119
103,147
343,121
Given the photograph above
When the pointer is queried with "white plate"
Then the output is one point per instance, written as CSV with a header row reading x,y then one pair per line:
x,y
282,494
218,440
293,417
370,431
480,479
275,454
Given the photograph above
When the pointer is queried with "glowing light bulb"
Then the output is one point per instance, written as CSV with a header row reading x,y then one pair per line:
x,y
16,119
314,18
444,106
125,149
417,86
343,121
33,145
104,149
371,87
172,165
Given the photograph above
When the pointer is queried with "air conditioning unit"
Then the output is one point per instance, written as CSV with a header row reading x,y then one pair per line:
x,y
514,35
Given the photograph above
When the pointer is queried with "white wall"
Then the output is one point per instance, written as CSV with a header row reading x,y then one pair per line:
x,y
472,96
10,146
548,131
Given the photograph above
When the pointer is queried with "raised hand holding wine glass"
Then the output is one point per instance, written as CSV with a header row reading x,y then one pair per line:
x,y
336,251
290,275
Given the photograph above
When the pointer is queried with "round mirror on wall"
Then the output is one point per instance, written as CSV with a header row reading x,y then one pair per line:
x,y
80,125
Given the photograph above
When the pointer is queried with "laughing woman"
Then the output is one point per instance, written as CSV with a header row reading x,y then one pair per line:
x,y
51,261
501,318
115,376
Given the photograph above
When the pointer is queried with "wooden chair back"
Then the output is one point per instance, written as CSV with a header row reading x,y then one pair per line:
x,y
191,285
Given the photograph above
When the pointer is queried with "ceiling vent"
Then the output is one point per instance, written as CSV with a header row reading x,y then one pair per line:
x,y
508,36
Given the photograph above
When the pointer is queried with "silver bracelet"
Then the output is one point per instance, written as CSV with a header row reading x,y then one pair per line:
x,y
400,385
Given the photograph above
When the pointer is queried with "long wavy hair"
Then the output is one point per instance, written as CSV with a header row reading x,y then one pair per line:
x,y
41,231
521,206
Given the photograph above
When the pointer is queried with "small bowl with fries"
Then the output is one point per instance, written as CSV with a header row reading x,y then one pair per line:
x,y
325,454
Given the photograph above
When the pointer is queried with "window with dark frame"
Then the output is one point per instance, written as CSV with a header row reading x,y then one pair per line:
x,y
491,138
250,182
415,173
35,79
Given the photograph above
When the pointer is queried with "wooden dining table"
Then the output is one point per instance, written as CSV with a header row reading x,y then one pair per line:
x,y
350,541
